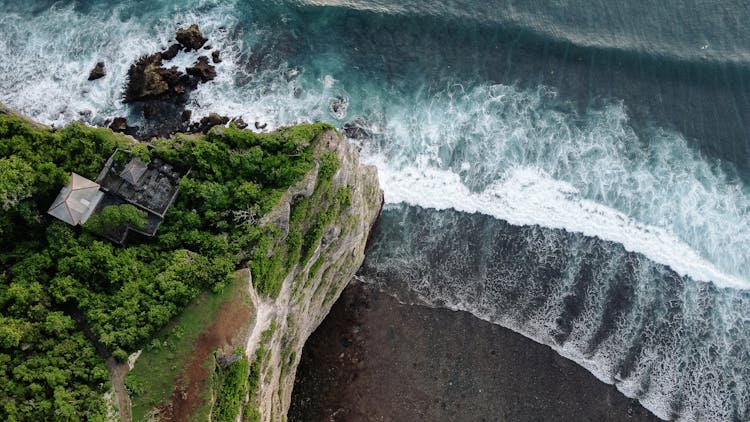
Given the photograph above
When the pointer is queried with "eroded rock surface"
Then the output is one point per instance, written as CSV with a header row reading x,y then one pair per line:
x,y
97,72
191,38
202,69
311,287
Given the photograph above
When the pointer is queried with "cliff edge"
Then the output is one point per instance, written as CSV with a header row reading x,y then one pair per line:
x,y
332,211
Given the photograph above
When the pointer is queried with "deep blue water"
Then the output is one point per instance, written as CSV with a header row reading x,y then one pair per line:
x,y
611,139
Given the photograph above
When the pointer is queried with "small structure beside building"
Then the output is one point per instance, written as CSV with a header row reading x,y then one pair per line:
x,y
151,187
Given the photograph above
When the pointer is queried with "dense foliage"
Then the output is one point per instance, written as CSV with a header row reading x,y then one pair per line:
x,y
69,298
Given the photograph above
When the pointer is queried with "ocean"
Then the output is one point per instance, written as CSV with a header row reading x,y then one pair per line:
x,y
577,171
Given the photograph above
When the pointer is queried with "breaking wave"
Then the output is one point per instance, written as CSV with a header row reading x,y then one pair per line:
x,y
681,347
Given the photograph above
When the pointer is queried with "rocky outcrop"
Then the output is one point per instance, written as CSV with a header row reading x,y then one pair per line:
x,y
206,123
171,52
191,38
356,130
312,285
148,80
202,70
239,123
119,124
163,91
97,72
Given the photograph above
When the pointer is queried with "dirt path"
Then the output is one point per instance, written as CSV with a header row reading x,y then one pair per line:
x,y
117,372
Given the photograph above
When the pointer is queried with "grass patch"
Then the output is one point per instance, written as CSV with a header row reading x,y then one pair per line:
x,y
155,375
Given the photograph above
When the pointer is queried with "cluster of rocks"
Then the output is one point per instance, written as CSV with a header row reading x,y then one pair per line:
x,y
214,119
162,92
190,38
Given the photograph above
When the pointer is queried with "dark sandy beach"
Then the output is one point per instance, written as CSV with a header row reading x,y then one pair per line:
x,y
374,359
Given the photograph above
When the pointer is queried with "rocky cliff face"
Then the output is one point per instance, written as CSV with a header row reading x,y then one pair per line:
x,y
333,213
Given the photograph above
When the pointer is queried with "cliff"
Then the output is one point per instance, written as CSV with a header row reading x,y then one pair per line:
x,y
334,209
213,310
238,356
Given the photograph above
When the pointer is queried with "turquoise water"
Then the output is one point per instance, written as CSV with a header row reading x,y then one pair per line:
x,y
626,122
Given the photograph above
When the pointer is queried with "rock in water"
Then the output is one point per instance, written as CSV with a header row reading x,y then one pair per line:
x,y
339,106
210,121
191,38
355,130
163,92
97,72
202,69
147,79
119,124
239,122
215,56
214,119
171,52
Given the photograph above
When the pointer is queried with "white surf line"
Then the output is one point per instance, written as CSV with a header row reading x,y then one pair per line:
x,y
528,197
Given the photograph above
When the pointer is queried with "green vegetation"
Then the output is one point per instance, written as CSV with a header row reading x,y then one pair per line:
x,y
234,387
116,216
68,298
315,267
251,413
271,262
141,151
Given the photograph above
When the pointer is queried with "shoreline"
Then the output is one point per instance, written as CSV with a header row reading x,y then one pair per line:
x,y
373,359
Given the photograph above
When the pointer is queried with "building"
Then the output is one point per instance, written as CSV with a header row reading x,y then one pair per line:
x,y
151,187
77,200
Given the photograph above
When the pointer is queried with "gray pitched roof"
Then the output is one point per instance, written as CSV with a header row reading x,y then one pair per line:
x,y
134,171
76,201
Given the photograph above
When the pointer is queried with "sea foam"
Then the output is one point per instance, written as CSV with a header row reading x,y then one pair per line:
x,y
522,156
528,197
47,56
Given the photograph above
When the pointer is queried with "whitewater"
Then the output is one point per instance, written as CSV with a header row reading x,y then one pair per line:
x,y
444,137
